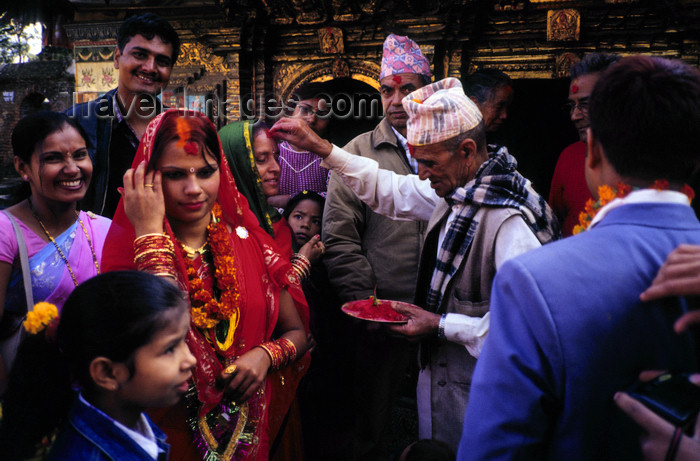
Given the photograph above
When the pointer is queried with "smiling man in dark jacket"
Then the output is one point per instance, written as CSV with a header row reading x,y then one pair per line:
x,y
147,48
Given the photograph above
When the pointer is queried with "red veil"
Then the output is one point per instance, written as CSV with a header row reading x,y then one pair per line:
x,y
259,268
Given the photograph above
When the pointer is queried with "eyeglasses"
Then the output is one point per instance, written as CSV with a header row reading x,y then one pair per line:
x,y
307,111
581,105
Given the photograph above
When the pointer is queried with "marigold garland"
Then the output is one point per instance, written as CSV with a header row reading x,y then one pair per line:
x,y
40,317
207,312
607,194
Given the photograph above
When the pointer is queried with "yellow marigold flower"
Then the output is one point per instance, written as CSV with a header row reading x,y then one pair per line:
x,y
39,317
606,194
200,319
577,230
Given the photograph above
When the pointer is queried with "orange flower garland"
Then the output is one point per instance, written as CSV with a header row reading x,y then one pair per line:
x,y
207,312
607,194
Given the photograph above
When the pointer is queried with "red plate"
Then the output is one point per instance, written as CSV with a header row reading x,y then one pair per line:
x,y
376,310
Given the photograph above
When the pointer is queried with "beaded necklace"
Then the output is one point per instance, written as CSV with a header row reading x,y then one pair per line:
x,y
58,248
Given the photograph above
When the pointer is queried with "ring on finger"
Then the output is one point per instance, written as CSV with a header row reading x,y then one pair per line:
x,y
148,185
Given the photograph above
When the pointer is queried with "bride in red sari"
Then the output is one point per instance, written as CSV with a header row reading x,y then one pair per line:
x,y
182,217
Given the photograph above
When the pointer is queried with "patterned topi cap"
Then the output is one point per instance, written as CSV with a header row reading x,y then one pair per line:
x,y
402,55
439,111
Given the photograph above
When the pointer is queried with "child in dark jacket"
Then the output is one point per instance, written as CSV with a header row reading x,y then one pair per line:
x,y
122,336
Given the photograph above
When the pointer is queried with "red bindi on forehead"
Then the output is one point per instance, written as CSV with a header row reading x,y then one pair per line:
x,y
396,78
574,88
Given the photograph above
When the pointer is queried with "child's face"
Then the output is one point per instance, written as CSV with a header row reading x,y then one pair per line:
x,y
162,368
305,221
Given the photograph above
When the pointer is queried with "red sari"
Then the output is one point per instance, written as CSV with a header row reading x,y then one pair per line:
x,y
261,273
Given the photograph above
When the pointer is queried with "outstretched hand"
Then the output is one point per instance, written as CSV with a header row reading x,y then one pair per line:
x,y
144,204
297,132
421,323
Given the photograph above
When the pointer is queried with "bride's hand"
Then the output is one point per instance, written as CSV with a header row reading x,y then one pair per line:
x,y
248,375
143,200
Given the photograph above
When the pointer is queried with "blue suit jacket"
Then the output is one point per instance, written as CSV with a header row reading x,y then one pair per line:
x,y
89,436
567,332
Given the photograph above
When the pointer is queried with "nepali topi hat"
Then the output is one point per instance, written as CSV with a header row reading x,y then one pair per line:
x,y
439,111
402,55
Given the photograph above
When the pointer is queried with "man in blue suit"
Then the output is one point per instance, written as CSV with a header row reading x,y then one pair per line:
x,y
568,329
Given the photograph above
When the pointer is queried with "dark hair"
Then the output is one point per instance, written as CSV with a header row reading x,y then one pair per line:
x,y
110,315
199,130
425,79
32,130
593,62
481,84
149,25
259,126
429,450
312,90
301,196
645,112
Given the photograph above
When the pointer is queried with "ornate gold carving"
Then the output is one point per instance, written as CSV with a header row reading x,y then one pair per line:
x,y
455,65
196,54
340,68
288,76
331,40
343,11
308,12
563,25
563,64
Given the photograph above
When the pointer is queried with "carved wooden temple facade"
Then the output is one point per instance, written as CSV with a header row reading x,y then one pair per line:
x,y
259,49
240,54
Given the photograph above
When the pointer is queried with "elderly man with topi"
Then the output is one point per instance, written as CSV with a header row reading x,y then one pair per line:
x,y
481,213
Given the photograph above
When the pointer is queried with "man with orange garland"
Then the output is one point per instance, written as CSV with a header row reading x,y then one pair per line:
x,y
568,328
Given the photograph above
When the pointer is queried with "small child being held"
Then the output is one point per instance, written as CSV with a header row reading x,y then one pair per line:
x,y
121,335
304,213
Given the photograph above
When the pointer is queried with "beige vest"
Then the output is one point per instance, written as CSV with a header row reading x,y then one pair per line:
x,y
468,292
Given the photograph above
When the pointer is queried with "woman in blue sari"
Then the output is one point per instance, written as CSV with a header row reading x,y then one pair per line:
x,y
64,246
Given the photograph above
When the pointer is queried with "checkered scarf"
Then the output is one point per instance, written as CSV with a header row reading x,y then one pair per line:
x,y
496,184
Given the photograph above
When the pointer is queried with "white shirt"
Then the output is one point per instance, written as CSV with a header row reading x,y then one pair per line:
x,y
412,162
407,197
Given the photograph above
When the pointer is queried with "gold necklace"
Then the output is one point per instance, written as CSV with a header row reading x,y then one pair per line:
x,y
58,248
192,252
